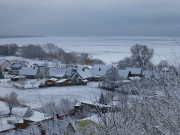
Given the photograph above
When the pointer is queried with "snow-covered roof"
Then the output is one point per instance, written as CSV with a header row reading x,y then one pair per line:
x,y
62,80
28,71
57,72
96,72
126,81
150,74
69,71
84,73
17,65
49,126
135,78
2,61
53,79
78,104
101,66
134,70
123,73
18,77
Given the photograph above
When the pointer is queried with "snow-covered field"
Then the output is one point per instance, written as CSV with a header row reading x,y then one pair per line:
x,y
30,61
37,97
108,48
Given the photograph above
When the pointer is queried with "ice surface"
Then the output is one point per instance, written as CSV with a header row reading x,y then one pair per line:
x,y
107,48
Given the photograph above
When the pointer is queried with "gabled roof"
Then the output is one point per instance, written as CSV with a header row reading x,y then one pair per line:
x,y
123,73
84,73
18,65
2,61
134,70
57,72
28,71
96,72
150,74
106,67
99,70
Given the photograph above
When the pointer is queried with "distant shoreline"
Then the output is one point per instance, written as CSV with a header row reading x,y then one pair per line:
x,y
17,36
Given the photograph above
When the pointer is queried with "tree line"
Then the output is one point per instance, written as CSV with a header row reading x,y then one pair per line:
x,y
48,52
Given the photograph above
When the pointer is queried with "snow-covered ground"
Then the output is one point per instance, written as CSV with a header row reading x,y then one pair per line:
x,y
30,61
38,96
107,48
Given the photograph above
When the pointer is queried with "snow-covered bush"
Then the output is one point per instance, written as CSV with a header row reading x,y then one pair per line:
x,y
154,112
11,101
29,112
63,107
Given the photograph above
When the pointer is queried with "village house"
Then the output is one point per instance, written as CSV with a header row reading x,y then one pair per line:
x,y
43,71
102,67
4,65
75,78
125,74
81,74
59,125
29,72
135,72
57,72
98,71
14,69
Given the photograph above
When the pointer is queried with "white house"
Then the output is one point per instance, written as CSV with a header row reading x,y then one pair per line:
x,y
4,64
99,70
58,73
29,72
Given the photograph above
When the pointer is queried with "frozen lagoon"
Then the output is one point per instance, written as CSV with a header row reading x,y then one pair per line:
x,y
108,48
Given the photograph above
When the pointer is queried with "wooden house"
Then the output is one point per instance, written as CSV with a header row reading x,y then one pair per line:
x,y
15,67
81,74
135,72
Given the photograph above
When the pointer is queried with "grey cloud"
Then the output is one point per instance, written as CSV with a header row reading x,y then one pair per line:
x,y
89,17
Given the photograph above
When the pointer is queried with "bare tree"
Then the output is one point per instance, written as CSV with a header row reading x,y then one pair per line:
x,y
11,101
163,64
8,49
142,54
127,62
33,51
111,79
112,74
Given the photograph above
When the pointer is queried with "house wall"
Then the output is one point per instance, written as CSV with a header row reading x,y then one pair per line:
x,y
5,65
76,77
13,72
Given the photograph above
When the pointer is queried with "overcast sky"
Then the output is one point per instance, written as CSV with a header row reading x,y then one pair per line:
x,y
89,17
